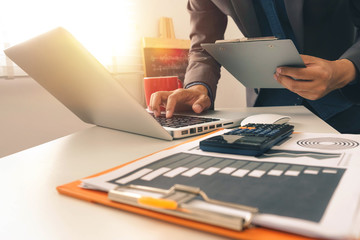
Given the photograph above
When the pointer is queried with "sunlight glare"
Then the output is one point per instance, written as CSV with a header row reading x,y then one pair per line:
x,y
106,28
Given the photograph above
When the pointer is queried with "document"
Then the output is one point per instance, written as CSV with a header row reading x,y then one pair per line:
x,y
309,184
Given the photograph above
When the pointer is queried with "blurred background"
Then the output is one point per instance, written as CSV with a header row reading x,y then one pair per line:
x,y
112,30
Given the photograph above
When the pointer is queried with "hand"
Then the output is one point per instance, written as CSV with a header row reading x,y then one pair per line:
x,y
319,78
195,98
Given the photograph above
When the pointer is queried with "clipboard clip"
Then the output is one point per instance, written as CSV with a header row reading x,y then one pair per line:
x,y
186,202
245,39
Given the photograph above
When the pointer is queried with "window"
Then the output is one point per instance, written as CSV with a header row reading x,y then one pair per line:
x,y
107,28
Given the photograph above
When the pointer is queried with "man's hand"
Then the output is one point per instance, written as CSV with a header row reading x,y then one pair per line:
x,y
195,98
319,78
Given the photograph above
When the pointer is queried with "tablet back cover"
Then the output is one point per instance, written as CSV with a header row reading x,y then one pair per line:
x,y
254,63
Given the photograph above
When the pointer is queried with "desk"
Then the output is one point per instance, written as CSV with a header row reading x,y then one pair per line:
x,y
31,208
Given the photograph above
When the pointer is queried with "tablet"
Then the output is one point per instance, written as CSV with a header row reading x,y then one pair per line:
x,y
254,63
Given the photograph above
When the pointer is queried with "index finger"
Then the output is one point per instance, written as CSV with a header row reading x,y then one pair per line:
x,y
156,100
172,100
306,73
311,70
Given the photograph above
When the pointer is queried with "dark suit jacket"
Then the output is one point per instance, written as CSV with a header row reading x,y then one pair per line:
x,y
323,28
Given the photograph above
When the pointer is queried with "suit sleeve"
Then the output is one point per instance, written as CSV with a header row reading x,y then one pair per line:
x,y
352,90
207,25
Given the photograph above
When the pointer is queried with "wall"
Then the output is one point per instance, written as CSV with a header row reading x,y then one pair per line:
x,y
147,23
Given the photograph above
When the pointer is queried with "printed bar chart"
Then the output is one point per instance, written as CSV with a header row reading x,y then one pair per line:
x,y
291,190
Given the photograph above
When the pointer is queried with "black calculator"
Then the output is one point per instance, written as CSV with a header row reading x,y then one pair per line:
x,y
251,139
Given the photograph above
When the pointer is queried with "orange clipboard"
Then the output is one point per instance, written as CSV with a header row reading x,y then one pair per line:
x,y
72,189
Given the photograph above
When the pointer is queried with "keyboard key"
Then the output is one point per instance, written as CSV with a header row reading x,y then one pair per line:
x,y
178,121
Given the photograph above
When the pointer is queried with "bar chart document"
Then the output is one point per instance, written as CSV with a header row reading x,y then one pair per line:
x,y
308,184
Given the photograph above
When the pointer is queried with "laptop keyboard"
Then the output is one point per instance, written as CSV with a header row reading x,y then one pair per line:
x,y
177,121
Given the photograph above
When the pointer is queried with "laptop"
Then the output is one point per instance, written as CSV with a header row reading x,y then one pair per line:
x,y
60,64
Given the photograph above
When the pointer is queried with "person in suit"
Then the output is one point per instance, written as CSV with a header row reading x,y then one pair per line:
x,y
325,32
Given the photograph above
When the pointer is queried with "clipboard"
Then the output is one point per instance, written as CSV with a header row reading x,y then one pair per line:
x,y
117,199
253,61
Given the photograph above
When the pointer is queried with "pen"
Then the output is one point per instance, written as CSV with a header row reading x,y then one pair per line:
x,y
158,202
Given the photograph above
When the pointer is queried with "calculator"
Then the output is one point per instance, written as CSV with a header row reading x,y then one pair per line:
x,y
251,139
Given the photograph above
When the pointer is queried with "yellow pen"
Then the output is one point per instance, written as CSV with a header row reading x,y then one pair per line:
x,y
158,202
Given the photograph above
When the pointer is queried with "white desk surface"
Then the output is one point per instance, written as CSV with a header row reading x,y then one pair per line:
x,y
31,208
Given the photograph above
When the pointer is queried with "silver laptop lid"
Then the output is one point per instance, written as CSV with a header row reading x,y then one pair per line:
x,y
59,63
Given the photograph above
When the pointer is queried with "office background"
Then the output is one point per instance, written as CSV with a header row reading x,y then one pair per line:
x,y
30,116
